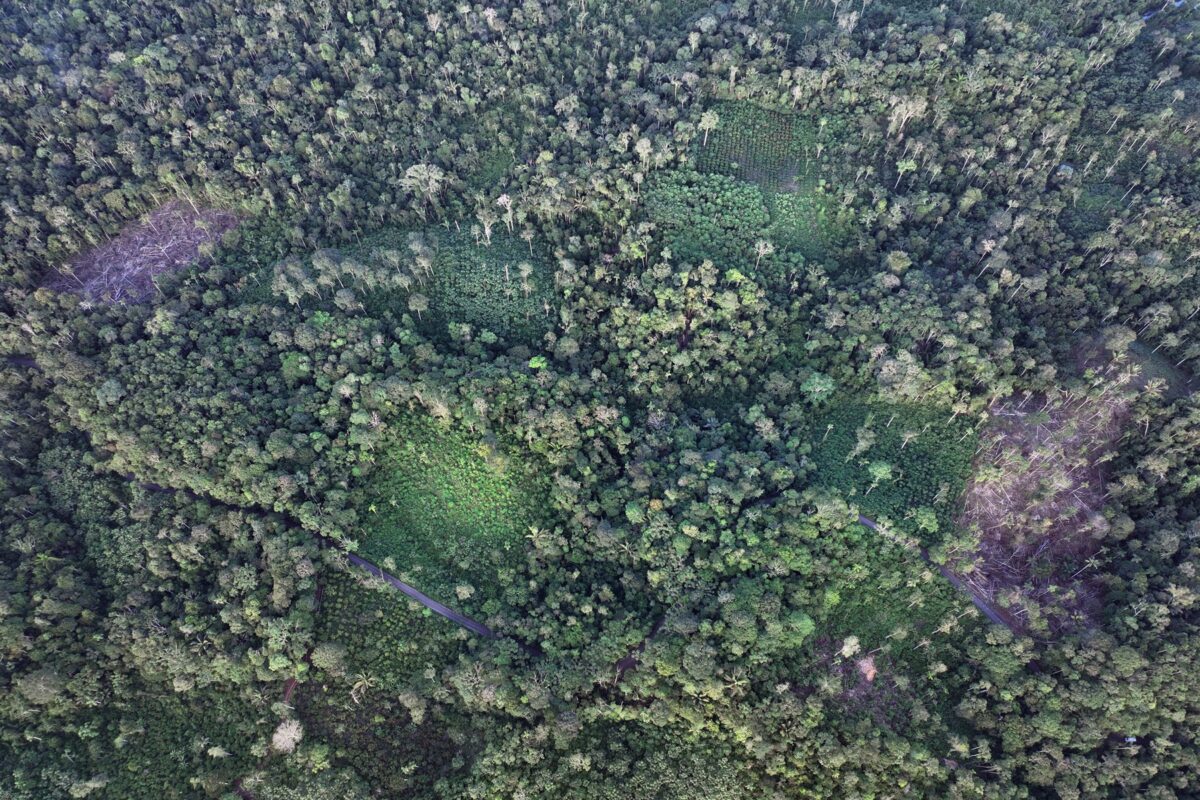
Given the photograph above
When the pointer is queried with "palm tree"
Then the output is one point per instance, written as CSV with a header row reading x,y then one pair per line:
x,y
418,302
708,122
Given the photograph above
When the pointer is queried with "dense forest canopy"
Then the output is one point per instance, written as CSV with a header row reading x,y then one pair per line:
x,y
589,399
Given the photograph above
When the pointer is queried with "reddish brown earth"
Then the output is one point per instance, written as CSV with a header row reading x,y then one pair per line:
x,y
123,269
1035,501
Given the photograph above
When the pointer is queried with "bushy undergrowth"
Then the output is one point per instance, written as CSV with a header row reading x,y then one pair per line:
x,y
887,598
378,735
162,747
707,216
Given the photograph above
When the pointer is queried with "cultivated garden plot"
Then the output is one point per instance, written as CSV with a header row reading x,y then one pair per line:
x,y
399,746
884,625
907,464
481,280
790,159
777,150
450,513
709,216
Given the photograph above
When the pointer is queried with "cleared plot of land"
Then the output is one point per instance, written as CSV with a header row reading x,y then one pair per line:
x,y
449,510
1035,502
1153,366
905,463
124,268
786,156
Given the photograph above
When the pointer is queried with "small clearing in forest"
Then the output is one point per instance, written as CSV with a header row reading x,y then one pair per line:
x,y
793,160
446,510
1036,501
123,269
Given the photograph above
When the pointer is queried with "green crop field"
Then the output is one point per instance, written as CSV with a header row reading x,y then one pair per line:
x,y
907,463
774,149
448,509
440,278
893,609
811,222
505,287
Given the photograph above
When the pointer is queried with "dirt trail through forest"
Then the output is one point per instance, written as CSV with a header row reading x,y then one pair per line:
x,y
988,610
423,599
360,562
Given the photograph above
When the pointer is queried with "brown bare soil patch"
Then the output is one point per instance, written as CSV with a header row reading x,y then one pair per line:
x,y
862,683
1035,501
123,269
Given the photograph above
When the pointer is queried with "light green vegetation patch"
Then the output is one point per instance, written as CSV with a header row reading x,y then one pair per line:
x,y
813,223
1154,365
504,286
378,736
494,164
886,605
807,20
889,599
663,14
449,510
1090,212
908,463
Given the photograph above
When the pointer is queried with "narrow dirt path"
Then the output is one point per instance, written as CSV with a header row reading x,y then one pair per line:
x,y
423,599
984,606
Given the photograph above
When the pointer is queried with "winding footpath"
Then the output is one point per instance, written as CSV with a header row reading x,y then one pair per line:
x,y
360,562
